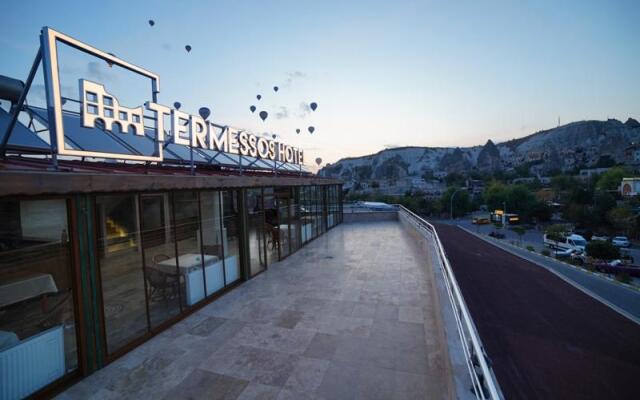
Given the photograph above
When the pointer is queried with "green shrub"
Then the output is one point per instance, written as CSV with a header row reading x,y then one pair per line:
x,y
531,248
623,277
545,252
602,250
556,232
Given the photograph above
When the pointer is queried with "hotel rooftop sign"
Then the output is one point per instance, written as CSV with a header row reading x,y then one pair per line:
x,y
100,108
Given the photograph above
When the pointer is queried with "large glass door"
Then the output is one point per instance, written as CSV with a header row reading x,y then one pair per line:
x,y
161,269
256,234
121,270
271,225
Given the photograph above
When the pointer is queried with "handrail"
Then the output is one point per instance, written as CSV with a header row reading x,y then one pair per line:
x,y
482,377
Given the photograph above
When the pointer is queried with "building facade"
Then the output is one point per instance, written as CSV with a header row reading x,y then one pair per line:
x,y
118,221
95,263
630,187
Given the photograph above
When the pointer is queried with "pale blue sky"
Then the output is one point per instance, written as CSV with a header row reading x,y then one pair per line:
x,y
383,73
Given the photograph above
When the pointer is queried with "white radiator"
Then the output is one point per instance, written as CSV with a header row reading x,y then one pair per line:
x,y
31,364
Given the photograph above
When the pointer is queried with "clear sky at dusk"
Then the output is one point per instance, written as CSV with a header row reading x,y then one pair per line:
x,y
388,73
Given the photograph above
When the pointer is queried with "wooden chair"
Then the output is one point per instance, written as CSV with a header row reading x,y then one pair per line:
x,y
159,258
161,283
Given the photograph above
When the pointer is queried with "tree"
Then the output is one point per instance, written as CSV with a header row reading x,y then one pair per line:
x,y
495,195
602,250
520,231
454,179
556,232
561,183
622,218
519,199
541,211
610,180
461,201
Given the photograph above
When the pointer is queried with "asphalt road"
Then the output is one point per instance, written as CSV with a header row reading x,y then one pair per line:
x,y
546,339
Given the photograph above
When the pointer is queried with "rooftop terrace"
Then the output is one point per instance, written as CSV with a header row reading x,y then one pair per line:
x,y
353,315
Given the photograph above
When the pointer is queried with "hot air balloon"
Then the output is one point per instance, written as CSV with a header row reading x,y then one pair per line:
x,y
252,108
151,22
264,115
187,48
275,88
313,106
311,129
204,112
318,161
177,105
297,130
258,97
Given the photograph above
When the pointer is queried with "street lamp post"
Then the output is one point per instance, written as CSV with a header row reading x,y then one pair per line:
x,y
451,201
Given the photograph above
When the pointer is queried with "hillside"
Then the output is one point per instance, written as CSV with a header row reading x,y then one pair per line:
x,y
581,144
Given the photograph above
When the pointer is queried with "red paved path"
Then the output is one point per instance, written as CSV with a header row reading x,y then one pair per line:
x,y
546,339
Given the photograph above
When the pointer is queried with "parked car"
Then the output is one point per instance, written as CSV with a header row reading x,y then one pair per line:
x,y
601,237
566,254
626,257
564,243
616,267
580,258
621,241
496,235
585,233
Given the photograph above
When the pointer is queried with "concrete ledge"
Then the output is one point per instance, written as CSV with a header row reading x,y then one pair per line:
x,y
371,216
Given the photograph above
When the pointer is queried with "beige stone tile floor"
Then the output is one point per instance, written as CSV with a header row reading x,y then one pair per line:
x,y
349,316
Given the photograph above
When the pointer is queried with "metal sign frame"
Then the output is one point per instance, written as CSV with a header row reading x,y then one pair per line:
x,y
49,40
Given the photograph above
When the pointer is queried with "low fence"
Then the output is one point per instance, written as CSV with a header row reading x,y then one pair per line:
x,y
483,380
356,212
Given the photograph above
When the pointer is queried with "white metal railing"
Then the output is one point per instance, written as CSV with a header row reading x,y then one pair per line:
x,y
483,380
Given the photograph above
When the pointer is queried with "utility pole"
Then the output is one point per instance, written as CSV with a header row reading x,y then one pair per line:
x,y
451,201
504,213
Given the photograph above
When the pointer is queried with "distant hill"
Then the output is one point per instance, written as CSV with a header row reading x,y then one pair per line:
x,y
583,144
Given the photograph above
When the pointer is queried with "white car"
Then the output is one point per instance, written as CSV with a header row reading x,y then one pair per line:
x,y
620,241
603,238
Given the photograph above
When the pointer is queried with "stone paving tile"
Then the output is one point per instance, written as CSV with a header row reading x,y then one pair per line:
x,y
339,382
336,325
207,326
286,394
267,367
257,391
201,384
274,338
307,375
323,346
411,314
346,317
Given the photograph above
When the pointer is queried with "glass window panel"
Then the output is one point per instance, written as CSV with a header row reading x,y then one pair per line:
x,y
122,276
161,270
212,240
190,259
282,229
257,236
36,292
231,236
294,220
271,224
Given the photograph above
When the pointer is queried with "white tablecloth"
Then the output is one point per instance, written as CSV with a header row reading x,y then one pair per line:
x,y
26,288
187,262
